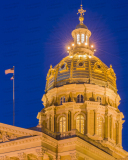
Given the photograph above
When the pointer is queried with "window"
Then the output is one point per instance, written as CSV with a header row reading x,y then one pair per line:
x,y
62,66
62,100
62,124
80,123
99,99
81,64
99,126
82,38
78,38
86,39
80,98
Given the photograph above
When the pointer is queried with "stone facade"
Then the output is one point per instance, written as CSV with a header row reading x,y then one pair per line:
x,y
80,119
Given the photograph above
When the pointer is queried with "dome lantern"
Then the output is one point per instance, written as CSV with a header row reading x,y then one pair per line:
x,y
81,36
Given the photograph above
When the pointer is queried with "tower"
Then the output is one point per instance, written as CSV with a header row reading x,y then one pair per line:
x,y
81,103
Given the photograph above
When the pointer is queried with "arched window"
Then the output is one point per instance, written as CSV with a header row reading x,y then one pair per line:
x,y
80,98
62,100
62,124
82,38
80,123
78,38
99,99
99,126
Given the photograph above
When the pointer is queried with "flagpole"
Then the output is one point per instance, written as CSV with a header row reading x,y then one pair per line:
x,y
13,100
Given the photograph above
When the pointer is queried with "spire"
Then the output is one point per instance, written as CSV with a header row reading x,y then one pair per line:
x,y
81,11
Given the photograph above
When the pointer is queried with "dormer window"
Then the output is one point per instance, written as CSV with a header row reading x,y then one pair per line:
x,y
62,100
80,98
78,38
99,99
82,38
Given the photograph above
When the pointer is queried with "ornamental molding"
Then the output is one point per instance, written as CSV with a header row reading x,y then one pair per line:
x,y
4,158
20,141
5,137
49,140
90,147
114,148
41,152
98,67
95,150
79,113
61,115
22,156
17,130
74,155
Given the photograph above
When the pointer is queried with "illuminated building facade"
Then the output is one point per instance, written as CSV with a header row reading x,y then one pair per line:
x,y
80,119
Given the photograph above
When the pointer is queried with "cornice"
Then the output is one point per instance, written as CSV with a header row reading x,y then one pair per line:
x,y
20,142
18,130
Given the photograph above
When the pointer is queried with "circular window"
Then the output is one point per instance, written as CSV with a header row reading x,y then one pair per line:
x,y
62,66
98,66
81,64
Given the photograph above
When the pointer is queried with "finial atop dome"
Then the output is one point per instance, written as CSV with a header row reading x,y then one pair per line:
x,y
81,11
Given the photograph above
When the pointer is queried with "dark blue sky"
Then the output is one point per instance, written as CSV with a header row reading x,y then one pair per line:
x,y
34,34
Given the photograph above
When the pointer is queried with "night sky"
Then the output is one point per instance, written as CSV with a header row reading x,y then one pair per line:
x,y
35,33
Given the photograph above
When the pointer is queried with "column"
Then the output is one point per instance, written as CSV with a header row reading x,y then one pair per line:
x,y
106,126
48,122
88,119
72,120
95,122
111,127
119,133
52,126
59,157
66,121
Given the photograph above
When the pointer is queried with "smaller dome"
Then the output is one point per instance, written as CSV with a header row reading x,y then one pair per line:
x,y
81,26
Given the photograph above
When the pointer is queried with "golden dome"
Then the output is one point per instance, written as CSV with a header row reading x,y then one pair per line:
x,y
81,69
81,66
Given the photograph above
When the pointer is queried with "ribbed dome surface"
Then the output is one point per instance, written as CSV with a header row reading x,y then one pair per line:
x,y
81,69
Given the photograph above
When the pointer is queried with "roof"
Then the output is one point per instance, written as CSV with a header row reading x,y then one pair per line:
x,y
81,26
81,69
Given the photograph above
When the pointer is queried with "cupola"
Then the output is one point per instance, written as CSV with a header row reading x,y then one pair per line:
x,y
81,36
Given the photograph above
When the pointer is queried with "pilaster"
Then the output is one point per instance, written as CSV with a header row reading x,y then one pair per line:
x,y
95,122
88,120
119,133
107,126
72,120
66,121
111,127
